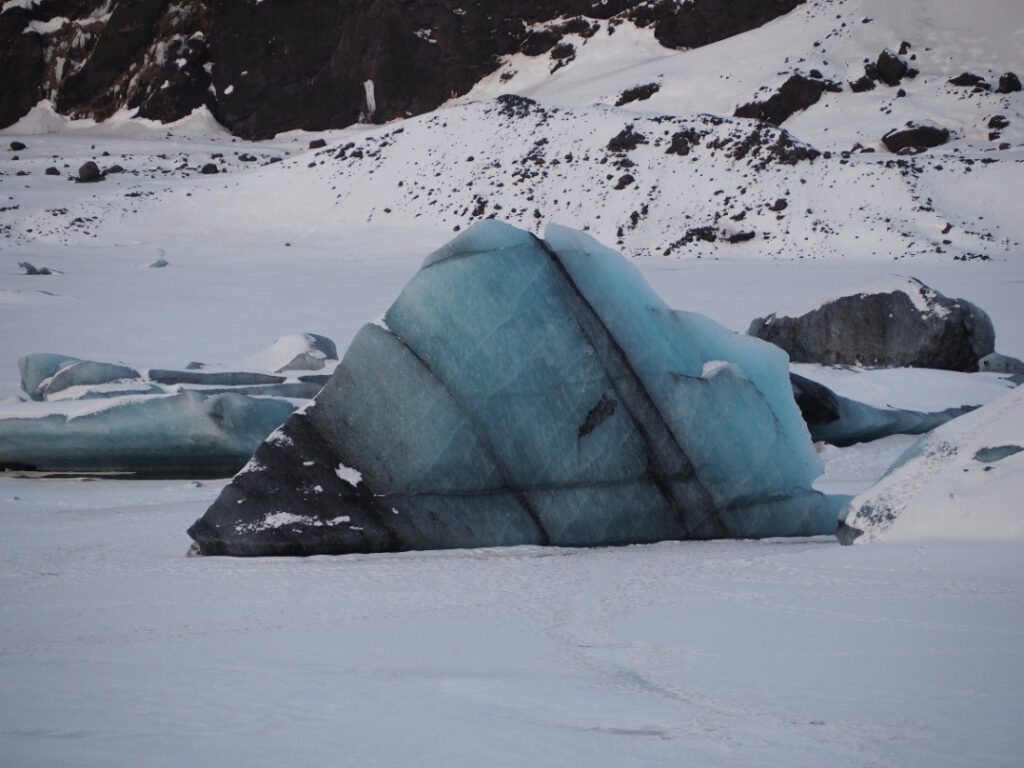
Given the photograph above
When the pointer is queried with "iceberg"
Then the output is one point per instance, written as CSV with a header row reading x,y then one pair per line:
x,y
832,418
188,434
528,391
105,417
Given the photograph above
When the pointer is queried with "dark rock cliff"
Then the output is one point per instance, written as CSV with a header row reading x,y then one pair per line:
x,y
264,66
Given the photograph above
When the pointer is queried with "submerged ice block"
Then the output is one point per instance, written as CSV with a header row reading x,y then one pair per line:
x,y
527,391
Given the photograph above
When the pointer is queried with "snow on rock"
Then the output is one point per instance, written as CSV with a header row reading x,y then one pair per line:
x,y
899,322
533,392
961,481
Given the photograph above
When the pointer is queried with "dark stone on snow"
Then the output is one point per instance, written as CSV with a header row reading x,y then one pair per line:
x,y
779,205
907,325
626,140
89,172
209,168
796,94
998,122
31,269
967,79
1009,83
52,171
624,181
864,83
637,93
17,146
890,68
113,169
740,237
317,144
915,138
847,534
683,141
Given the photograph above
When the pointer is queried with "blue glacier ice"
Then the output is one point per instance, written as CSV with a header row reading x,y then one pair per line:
x,y
528,391
89,416
190,434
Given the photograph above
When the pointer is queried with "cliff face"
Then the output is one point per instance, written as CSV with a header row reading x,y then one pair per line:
x,y
265,66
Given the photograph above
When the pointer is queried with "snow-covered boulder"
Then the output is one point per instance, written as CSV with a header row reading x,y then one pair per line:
x,y
527,391
961,481
898,321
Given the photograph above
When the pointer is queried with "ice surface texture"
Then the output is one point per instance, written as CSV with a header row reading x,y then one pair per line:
x,y
527,391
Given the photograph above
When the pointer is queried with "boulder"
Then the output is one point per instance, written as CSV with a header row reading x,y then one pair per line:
x,y
1009,83
796,94
915,137
967,79
89,172
527,391
897,322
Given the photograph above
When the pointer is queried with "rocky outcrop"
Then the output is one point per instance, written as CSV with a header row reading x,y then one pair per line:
x,y
915,137
796,94
266,67
900,323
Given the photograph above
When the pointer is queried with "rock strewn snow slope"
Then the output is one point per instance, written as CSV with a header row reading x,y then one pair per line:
x,y
680,181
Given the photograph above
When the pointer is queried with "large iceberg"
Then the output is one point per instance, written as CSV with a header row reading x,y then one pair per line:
x,y
527,391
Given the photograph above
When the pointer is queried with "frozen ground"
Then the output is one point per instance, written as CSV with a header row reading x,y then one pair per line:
x,y
119,651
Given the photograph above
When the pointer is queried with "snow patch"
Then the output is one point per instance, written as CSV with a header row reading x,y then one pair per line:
x,y
351,476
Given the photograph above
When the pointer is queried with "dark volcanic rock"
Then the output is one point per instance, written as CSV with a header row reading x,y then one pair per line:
x,y
637,93
89,172
626,140
915,138
796,94
209,168
52,171
890,68
1008,83
307,63
967,79
905,324
17,146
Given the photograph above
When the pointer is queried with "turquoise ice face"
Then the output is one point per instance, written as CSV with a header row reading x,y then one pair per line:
x,y
528,391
